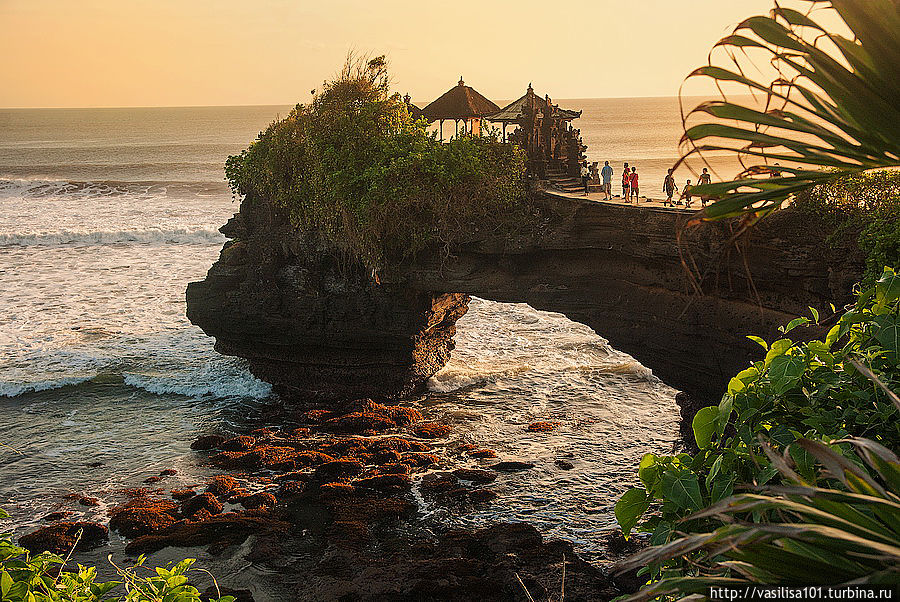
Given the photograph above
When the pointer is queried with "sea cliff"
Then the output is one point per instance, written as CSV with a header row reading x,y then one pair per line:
x,y
680,299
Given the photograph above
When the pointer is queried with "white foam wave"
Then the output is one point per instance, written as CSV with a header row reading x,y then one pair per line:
x,y
188,235
14,389
42,188
217,378
453,378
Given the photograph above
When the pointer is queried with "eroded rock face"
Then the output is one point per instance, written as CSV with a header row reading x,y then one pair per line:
x,y
312,325
315,327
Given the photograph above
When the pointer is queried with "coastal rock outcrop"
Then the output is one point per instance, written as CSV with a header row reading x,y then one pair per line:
x,y
317,325
62,537
313,324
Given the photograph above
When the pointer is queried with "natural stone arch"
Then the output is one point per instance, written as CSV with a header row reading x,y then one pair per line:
x,y
313,327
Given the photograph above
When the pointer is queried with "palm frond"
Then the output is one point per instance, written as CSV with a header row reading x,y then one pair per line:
x,y
831,107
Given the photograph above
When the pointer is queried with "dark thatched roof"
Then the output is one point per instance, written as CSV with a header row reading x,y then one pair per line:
x,y
516,109
460,102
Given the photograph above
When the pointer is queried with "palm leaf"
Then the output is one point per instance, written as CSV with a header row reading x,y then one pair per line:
x,y
832,109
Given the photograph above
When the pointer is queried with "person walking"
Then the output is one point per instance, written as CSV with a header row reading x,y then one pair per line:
x,y
633,184
626,184
686,193
585,177
704,179
607,174
669,187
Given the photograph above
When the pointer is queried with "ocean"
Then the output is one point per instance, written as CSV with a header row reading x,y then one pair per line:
x,y
107,214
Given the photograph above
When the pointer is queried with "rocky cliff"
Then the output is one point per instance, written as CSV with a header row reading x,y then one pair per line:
x,y
314,324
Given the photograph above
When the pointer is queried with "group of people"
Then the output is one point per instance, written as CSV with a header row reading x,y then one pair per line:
x,y
631,185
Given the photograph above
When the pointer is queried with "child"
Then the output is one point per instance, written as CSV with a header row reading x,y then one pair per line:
x,y
669,188
626,184
686,193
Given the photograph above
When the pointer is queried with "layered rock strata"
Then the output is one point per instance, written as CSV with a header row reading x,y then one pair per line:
x,y
313,326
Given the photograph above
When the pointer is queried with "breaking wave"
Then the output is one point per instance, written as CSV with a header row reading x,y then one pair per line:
x,y
200,235
38,188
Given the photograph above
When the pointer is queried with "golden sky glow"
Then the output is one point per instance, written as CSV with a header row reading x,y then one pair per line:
x,y
85,53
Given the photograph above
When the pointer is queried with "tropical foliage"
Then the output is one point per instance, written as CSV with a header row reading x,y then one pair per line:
x,y
354,167
837,525
862,206
830,108
26,577
818,390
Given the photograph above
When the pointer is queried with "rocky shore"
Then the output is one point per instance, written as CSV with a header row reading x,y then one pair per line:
x,y
339,489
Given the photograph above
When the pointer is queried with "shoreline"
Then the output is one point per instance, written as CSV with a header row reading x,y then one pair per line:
x,y
350,480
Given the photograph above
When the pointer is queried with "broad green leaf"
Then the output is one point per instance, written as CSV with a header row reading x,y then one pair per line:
x,y
722,488
630,507
762,343
778,348
888,332
713,471
815,314
704,425
887,288
5,583
794,324
725,409
682,488
648,472
785,371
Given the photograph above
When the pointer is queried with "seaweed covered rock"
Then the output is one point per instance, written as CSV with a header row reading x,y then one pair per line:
x,y
143,515
62,537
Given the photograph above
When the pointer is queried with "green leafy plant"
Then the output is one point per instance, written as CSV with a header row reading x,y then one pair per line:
x,y
831,108
840,525
818,389
26,577
862,208
356,169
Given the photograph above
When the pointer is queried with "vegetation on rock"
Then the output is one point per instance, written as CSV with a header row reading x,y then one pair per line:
x,y
28,577
778,415
865,206
355,168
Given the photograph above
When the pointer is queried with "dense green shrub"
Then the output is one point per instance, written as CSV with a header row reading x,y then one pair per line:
x,y
357,169
864,205
27,577
811,390
840,526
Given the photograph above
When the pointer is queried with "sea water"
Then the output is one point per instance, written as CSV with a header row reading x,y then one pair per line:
x,y
107,214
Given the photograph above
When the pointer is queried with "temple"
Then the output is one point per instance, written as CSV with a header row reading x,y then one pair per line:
x,y
555,150
460,103
546,134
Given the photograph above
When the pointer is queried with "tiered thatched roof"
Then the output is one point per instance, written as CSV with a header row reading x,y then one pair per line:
x,y
516,109
460,102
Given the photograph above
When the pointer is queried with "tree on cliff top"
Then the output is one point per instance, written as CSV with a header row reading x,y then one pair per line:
x,y
355,168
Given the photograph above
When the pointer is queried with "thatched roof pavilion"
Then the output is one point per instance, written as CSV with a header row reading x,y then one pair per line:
x,y
460,103
518,109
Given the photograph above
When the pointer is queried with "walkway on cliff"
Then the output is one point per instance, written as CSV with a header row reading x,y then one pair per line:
x,y
598,198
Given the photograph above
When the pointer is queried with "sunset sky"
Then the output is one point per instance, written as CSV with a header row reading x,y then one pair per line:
x,y
60,53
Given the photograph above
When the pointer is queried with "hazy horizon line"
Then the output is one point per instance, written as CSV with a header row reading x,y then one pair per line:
x,y
215,106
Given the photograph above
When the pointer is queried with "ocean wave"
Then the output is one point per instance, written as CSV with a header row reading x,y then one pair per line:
x,y
220,380
190,235
27,188
453,378
14,389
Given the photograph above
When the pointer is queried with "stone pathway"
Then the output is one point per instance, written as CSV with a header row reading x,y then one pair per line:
x,y
598,197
